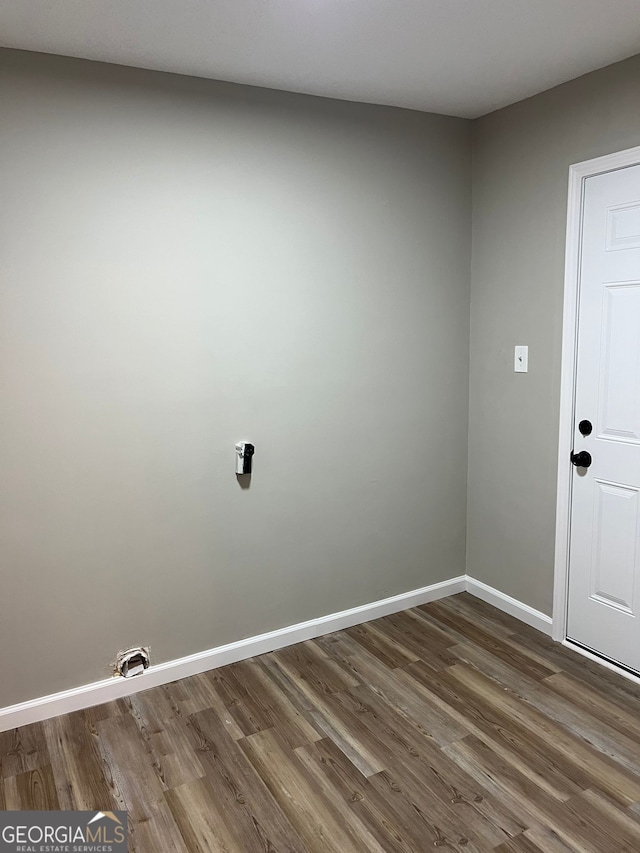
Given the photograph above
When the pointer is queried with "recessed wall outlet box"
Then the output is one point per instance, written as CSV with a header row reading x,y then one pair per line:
x,y
132,661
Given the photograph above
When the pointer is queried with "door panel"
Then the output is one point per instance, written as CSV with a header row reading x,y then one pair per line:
x,y
604,582
619,409
614,551
623,227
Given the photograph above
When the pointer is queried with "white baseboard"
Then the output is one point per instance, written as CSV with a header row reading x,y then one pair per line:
x,y
109,689
115,688
510,605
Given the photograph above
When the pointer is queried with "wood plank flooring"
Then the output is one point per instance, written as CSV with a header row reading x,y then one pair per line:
x,y
449,726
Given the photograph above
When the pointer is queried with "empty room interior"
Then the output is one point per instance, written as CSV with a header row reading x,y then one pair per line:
x,y
304,418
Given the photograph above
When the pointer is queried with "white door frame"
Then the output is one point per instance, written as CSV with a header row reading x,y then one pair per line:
x,y
578,173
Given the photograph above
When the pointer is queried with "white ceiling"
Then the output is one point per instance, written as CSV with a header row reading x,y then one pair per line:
x,y
459,57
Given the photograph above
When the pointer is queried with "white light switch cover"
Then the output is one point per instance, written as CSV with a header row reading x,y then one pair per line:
x,y
521,360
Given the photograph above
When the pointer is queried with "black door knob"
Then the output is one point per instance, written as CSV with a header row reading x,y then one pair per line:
x,y
582,459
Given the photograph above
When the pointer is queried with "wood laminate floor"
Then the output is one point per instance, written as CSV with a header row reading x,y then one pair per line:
x,y
451,726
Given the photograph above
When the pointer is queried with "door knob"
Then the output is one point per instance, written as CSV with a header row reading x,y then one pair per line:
x,y
582,459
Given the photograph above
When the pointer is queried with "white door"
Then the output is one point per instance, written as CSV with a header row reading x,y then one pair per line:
x,y
604,566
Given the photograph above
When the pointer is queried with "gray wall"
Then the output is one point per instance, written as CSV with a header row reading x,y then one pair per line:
x,y
522,156
185,264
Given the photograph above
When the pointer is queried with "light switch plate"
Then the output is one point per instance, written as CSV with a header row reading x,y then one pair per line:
x,y
521,360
